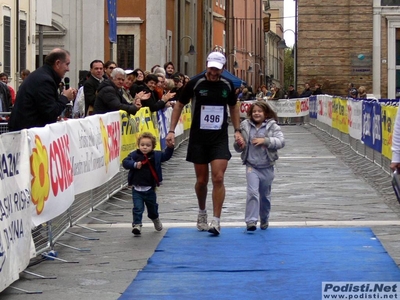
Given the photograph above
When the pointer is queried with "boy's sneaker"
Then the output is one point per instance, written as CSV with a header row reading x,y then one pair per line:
x,y
264,225
202,222
137,228
157,224
251,226
214,227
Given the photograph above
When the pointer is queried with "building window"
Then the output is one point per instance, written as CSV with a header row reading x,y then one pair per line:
x,y
390,2
7,45
22,44
125,51
397,63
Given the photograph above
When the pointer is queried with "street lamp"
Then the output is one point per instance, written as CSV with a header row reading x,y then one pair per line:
x,y
260,73
183,59
235,63
250,69
282,45
191,47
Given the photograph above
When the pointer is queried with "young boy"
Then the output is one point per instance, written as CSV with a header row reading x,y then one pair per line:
x,y
145,174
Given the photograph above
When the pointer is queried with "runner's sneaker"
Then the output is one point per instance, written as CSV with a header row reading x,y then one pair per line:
x,y
264,225
214,227
251,226
202,222
157,224
137,228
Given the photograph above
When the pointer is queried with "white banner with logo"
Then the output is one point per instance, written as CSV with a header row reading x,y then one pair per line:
x,y
325,109
52,177
354,111
16,244
95,150
72,157
289,108
284,108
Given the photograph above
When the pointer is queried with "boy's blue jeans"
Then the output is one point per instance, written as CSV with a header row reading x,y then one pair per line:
x,y
140,199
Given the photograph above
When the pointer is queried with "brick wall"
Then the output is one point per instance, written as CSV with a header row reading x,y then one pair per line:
x,y
331,35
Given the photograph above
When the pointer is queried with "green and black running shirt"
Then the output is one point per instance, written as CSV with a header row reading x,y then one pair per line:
x,y
209,108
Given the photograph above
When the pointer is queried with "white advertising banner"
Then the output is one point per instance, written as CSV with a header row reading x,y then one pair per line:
x,y
95,144
52,174
284,108
354,111
325,109
289,108
16,244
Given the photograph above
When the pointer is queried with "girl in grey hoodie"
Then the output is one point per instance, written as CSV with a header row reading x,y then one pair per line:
x,y
262,137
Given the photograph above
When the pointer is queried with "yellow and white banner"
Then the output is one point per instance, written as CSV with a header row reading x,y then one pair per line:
x,y
16,244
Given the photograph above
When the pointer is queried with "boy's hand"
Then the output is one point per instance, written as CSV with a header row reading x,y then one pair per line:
x,y
139,165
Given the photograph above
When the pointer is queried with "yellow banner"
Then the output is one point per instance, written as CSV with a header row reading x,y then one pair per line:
x,y
388,117
335,113
187,116
343,116
133,125
340,115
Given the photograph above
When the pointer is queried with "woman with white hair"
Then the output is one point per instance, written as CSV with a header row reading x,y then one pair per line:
x,y
109,95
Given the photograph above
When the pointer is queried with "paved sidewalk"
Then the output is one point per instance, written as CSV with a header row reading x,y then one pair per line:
x,y
314,186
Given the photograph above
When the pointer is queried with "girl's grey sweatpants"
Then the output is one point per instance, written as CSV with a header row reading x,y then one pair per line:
x,y
258,202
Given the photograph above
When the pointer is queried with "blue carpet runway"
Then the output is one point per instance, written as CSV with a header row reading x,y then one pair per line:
x,y
277,264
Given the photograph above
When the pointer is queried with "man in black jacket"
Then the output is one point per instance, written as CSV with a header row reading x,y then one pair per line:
x,y
307,91
38,102
109,95
92,84
5,98
292,93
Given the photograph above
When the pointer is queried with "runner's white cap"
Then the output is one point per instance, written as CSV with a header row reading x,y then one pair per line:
x,y
216,60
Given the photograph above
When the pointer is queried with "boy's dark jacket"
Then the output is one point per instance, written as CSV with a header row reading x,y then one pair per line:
x,y
136,156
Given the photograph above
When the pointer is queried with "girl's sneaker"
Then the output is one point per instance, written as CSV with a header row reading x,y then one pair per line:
x,y
251,226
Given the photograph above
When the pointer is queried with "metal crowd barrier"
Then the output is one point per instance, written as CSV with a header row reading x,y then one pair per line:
x,y
4,116
293,120
356,145
46,235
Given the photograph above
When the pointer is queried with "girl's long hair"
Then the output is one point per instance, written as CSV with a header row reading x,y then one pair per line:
x,y
268,111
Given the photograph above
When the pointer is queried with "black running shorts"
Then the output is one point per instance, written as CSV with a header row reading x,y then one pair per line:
x,y
204,154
